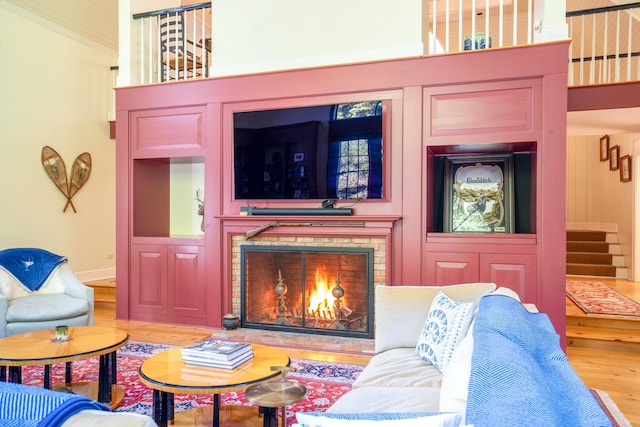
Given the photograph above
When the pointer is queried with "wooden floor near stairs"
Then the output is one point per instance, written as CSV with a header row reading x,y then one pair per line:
x,y
606,356
605,351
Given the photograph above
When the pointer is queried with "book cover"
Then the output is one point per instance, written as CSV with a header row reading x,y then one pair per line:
x,y
216,349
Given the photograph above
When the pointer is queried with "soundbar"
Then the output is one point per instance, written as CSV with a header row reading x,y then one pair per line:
x,y
250,210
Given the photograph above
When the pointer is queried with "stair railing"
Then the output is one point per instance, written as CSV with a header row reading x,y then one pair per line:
x,y
469,25
172,44
605,45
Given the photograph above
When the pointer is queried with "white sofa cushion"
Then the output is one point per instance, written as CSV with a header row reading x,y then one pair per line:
x,y
379,420
387,399
400,313
400,367
43,307
95,418
445,326
455,381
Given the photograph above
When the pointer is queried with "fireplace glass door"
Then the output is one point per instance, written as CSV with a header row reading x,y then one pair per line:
x,y
301,289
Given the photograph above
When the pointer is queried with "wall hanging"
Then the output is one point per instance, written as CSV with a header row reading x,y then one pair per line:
x,y
54,167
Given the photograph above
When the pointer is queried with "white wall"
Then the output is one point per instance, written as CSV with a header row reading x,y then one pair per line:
x,y
595,194
256,35
56,91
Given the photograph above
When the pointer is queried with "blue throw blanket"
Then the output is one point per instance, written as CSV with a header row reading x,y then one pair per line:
x,y
519,374
30,266
26,406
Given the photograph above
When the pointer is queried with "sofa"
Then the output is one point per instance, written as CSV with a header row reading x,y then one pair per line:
x,y
60,298
468,354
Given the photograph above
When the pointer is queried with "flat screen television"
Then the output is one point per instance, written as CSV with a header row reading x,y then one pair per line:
x,y
316,152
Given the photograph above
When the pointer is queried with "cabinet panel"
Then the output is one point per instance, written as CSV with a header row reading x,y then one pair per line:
x,y
444,268
167,283
186,273
513,271
462,110
148,284
168,129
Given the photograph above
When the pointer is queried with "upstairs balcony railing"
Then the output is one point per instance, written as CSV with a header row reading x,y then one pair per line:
x,y
175,44
605,45
172,44
478,24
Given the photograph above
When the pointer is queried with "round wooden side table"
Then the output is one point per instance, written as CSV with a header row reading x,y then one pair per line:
x,y
270,396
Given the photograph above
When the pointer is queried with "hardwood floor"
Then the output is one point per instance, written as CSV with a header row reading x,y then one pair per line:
x,y
613,371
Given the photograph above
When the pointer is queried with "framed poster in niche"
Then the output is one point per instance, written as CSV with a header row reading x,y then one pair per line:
x,y
478,194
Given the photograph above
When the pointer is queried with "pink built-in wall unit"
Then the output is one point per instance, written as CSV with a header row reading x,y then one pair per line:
x,y
438,111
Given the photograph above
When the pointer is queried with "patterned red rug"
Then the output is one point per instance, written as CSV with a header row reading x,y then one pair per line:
x,y
325,381
599,298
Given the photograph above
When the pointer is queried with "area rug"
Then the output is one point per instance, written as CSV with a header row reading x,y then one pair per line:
x,y
599,298
325,381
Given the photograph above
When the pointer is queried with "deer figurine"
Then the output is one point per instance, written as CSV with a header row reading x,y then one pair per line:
x,y
200,208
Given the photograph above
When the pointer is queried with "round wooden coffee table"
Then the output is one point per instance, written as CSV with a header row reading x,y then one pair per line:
x,y
39,349
167,374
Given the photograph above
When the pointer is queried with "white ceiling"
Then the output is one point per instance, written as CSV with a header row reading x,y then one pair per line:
x,y
96,20
603,122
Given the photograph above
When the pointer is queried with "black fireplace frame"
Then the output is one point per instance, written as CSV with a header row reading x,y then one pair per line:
x,y
367,252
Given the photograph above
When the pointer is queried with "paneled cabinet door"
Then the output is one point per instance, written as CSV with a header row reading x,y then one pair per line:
x,y
187,299
148,282
167,283
447,268
514,271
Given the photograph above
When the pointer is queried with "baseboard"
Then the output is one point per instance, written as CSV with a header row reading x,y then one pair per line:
x,y
595,226
92,275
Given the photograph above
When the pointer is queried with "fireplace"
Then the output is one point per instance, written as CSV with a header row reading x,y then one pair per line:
x,y
322,290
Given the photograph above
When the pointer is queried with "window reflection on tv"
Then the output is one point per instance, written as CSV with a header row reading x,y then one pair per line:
x,y
317,152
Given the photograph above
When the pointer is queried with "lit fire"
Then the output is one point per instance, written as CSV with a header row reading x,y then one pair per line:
x,y
321,300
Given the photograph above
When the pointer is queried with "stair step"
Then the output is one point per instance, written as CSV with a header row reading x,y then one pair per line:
x,y
587,235
605,322
587,246
603,338
103,290
591,270
589,258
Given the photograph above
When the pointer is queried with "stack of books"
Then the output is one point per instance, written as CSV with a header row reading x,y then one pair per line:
x,y
217,354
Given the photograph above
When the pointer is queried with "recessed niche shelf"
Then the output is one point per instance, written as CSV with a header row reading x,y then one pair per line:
x,y
164,196
520,176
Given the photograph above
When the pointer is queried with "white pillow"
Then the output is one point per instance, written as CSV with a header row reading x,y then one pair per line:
x,y
378,420
414,302
454,389
446,325
12,288
54,284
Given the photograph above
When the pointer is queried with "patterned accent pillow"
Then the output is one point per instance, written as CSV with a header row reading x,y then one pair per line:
x,y
444,329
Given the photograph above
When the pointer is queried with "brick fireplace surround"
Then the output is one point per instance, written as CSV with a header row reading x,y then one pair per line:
x,y
374,234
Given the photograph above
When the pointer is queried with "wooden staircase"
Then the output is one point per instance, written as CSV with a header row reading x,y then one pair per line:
x,y
104,292
594,253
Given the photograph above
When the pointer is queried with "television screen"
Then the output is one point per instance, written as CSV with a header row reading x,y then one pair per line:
x,y
317,152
